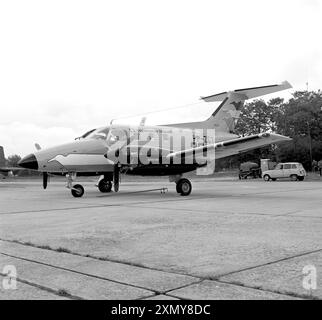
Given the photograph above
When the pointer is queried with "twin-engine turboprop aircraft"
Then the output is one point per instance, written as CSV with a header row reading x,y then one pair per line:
x,y
167,150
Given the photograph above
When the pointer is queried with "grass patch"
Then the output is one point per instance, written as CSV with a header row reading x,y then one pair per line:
x,y
46,247
63,292
61,249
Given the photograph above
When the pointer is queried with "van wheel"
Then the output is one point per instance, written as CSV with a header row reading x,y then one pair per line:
x,y
267,177
294,177
300,178
273,179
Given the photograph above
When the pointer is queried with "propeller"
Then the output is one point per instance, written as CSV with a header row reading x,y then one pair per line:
x,y
45,179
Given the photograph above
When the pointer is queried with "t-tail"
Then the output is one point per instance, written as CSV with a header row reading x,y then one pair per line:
x,y
225,117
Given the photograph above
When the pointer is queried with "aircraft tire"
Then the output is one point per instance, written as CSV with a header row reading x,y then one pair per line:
x,y
184,187
77,191
105,186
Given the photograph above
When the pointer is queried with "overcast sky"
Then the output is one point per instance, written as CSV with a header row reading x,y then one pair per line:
x,y
70,66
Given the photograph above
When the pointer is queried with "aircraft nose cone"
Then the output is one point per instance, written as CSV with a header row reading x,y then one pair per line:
x,y
29,162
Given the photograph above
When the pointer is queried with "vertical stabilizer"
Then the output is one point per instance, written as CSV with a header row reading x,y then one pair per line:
x,y
225,117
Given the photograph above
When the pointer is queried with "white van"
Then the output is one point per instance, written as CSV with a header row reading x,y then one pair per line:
x,y
292,170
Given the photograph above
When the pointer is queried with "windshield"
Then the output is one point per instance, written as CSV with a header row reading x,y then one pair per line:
x,y
86,134
99,134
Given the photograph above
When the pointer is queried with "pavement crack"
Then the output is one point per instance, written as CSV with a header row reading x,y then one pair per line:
x,y
132,264
284,293
77,272
266,264
60,292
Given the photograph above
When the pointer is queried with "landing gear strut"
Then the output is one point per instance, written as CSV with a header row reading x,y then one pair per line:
x,y
183,186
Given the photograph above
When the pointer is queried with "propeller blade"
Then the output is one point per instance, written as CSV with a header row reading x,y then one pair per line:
x,y
45,180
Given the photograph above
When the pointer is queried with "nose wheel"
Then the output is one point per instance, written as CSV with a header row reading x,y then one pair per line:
x,y
77,190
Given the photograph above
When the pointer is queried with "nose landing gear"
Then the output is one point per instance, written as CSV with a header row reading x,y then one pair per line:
x,y
77,190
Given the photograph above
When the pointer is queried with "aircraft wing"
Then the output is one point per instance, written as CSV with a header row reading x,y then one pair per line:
x,y
230,147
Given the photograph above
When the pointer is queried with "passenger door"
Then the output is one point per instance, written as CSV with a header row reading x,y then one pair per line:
x,y
278,171
287,171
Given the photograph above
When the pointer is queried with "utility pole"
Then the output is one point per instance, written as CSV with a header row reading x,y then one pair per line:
x,y
310,143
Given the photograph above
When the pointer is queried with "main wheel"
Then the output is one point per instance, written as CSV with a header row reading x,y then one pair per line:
x,y
184,187
267,177
77,191
105,186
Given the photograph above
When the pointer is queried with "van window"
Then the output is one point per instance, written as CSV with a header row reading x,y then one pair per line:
x,y
294,166
279,167
287,166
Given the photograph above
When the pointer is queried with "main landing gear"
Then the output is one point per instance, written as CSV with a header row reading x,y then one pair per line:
x,y
105,185
183,185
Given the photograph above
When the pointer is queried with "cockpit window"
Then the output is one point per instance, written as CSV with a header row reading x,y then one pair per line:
x,y
99,134
87,134
117,135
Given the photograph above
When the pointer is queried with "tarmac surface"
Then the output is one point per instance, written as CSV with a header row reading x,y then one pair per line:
x,y
229,239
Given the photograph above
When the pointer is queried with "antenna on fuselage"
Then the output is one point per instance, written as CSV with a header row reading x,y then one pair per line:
x,y
37,146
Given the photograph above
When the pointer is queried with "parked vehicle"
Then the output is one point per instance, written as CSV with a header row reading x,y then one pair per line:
x,y
290,170
249,170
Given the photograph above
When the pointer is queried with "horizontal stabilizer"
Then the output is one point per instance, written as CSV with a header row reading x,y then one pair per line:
x,y
249,93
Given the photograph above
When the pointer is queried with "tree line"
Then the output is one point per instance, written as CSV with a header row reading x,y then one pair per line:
x,y
299,118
